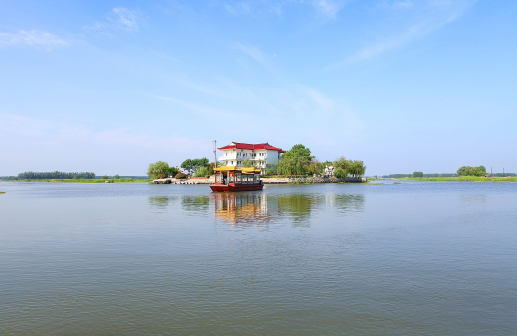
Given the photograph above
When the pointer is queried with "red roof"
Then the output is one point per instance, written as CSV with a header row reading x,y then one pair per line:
x,y
238,145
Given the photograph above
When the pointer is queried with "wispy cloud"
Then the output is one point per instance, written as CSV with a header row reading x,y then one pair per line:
x,y
196,108
52,131
124,18
328,7
32,38
250,7
319,98
421,18
119,18
253,52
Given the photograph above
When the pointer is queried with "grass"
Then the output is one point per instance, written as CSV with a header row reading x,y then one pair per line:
x,y
2,192
462,178
123,180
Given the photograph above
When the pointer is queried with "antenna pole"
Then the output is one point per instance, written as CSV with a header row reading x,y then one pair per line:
x,y
215,153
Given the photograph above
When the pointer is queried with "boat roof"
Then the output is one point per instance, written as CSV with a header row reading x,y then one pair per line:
x,y
246,170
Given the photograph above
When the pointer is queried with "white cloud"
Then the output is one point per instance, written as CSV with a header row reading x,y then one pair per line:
x,y
54,132
119,18
124,18
253,52
32,38
421,19
49,145
324,7
319,98
328,7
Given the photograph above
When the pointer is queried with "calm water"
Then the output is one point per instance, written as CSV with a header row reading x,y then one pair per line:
x,y
419,258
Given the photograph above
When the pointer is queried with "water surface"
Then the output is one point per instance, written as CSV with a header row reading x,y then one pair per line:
x,y
419,258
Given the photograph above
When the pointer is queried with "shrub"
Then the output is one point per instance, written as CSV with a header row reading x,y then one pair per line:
x,y
180,176
201,171
270,172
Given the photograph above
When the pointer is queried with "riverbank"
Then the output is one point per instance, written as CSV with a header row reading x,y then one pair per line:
x,y
125,180
271,180
460,178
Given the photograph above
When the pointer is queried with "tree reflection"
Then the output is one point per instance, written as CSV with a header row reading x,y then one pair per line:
x,y
195,203
161,202
297,207
346,203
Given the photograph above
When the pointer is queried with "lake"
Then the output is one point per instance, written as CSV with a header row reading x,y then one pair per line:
x,y
417,258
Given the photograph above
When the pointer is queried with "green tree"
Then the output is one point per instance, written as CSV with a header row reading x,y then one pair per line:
x,y
187,165
271,167
201,171
471,171
159,167
173,171
418,174
315,167
357,168
211,167
193,164
299,150
105,177
117,176
246,163
341,167
292,165
295,161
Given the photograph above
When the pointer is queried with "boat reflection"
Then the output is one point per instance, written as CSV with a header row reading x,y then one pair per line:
x,y
241,209
259,209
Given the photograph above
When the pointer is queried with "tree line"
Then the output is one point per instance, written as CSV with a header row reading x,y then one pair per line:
x,y
297,161
30,175
197,167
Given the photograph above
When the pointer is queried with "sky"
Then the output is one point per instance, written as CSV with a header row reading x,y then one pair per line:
x,y
403,85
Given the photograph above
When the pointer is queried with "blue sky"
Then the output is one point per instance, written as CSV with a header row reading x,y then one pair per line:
x,y
111,86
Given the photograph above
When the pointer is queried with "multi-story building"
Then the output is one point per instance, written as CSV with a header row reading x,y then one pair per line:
x,y
260,154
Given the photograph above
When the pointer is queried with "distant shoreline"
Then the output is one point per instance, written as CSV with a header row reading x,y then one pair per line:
x,y
126,180
458,179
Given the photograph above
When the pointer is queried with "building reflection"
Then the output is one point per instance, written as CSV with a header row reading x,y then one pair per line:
x,y
260,209
242,209
248,209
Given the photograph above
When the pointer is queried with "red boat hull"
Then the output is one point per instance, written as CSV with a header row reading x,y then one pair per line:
x,y
236,187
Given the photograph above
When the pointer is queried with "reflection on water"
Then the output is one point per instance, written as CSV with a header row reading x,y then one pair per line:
x,y
258,209
194,205
346,203
242,209
473,200
161,202
422,258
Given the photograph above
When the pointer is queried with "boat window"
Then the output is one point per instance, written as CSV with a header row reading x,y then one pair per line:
x,y
230,179
238,178
218,178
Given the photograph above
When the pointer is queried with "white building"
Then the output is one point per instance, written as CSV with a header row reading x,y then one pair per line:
x,y
260,154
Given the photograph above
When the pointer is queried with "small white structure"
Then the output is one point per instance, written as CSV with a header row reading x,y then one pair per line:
x,y
329,171
260,154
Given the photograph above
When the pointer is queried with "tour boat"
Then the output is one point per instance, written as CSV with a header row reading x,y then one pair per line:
x,y
231,178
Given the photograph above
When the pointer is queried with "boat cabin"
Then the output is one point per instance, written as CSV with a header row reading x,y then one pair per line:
x,y
231,178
